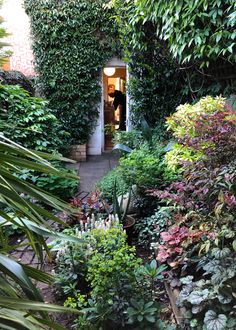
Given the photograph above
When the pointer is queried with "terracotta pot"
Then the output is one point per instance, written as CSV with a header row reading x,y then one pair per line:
x,y
128,226
78,152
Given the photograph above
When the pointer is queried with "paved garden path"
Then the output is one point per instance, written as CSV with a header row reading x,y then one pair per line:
x,y
91,171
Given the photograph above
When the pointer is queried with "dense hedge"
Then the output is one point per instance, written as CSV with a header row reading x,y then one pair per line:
x,y
72,42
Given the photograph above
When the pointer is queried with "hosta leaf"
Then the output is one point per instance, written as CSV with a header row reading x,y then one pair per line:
x,y
214,321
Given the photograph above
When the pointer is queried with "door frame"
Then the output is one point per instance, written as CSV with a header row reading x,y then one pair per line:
x,y
96,144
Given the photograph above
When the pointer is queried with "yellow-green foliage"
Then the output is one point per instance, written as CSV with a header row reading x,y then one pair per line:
x,y
179,154
181,123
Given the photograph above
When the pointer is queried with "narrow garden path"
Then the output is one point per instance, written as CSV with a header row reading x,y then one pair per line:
x,y
91,171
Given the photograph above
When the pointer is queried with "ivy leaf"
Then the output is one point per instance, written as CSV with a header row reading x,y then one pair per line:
x,y
214,321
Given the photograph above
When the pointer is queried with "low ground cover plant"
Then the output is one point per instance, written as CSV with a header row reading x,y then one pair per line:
x,y
106,184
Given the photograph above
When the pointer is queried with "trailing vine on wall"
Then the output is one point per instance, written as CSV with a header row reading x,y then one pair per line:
x,y
197,31
72,41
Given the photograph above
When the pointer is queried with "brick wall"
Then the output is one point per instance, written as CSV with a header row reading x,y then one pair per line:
x,y
18,25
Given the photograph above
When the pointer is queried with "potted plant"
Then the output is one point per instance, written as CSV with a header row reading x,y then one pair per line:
x,y
121,206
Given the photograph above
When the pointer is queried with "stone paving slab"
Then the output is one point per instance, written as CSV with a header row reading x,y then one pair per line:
x,y
91,171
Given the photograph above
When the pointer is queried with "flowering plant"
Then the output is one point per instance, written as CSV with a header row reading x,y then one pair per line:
x,y
93,204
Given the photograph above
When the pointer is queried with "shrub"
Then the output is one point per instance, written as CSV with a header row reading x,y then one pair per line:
x,y
145,167
106,281
197,129
29,122
106,184
63,187
205,201
131,139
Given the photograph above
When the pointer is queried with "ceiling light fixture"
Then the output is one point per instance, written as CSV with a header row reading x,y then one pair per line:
x,y
109,71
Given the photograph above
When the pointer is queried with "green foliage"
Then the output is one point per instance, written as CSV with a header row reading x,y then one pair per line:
x,y
72,42
149,228
179,154
103,278
183,124
213,294
199,31
28,120
130,139
158,37
155,88
142,312
205,204
62,186
22,305
145,167
106,184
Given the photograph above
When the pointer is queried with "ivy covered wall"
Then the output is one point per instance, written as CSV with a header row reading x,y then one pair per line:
x,y
72,41
175,50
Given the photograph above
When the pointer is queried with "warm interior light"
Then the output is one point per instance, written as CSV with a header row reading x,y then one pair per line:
x,y
109,71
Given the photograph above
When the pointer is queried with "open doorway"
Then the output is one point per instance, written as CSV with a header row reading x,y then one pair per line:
x,y
114,86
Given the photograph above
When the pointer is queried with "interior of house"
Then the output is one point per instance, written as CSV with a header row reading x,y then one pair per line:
x,y
114,80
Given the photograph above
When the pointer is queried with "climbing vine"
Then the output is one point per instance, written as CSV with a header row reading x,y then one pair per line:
x,y
193,30
72,40
169,46
155,80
